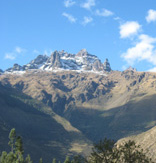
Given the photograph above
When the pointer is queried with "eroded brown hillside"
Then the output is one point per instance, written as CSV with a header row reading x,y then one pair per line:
x,y
112,105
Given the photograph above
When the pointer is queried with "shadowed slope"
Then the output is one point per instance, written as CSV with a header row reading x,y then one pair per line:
x,y
44,133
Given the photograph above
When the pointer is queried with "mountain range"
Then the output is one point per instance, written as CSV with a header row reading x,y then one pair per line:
x,y
82,61
63,103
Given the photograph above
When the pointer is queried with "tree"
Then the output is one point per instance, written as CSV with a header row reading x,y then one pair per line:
x,y
79,159
3,157
19,145
103,152
132,153
19,149
54,160
16,153
12,137
28,159
108,152
40,161
67,160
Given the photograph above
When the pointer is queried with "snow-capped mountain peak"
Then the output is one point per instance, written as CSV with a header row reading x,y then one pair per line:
x,y
61,60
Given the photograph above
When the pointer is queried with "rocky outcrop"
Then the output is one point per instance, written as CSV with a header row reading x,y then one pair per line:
x,y
82,53
36,63
61,60
98,66
107,66
53,62
131,69
16,67
121,102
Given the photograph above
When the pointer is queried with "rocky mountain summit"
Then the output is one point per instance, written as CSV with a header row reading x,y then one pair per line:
x,y
107,66
131,69
61,60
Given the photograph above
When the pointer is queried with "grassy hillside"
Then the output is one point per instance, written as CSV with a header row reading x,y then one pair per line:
x,y
44,133
114,105
146,140
131,118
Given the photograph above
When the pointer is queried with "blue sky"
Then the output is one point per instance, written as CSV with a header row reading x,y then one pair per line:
x,y
124,31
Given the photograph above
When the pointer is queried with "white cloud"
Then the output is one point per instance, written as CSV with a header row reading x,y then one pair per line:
x,y
151,16
117,18
19,50
152,70
48,52
10,56
87,20
69,3
144,49
71,18
88,4
124,67
129,29
104,12
36,51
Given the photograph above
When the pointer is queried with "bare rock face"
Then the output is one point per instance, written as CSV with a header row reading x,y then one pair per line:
x,y
98,66
131,69
107,66
113,105
36,63
82,53
55,60
16,67
61,60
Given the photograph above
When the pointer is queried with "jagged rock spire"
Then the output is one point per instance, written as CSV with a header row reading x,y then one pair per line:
x,y
107,66
130,68
55,60
61,60
82,53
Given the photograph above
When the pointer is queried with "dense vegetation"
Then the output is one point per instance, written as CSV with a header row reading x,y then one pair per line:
x,y
105,151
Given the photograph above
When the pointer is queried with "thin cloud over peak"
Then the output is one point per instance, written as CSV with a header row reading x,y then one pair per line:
x,y
70,17
88,4
130,28
151,16
104,13
69,3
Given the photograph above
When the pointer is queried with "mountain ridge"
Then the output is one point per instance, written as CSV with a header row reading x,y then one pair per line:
x,y
112,104
115,105
61,60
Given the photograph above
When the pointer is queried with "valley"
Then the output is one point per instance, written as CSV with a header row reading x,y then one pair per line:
x,y
62,112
